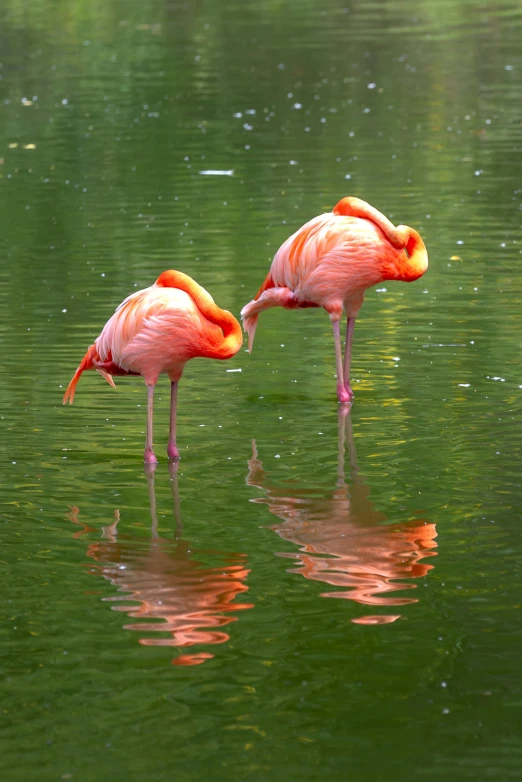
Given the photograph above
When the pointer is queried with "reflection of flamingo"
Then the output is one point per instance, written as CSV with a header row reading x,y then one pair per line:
x,y
177,594
341,538
330,262
73,514
156,331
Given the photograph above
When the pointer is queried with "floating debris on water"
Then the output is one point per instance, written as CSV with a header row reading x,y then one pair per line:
x,y
444,345
217,172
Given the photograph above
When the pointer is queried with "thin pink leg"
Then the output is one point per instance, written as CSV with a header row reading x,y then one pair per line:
x,y
150,456
342,394
172,450
350,325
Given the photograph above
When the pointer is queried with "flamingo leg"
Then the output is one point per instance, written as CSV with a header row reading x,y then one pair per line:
x,y
150,456
172,450
343,395
350,325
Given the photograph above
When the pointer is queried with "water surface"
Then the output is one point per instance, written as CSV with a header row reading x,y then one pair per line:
x,y
307,596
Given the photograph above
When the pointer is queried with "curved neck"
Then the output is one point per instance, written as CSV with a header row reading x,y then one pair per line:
x,y
414,261
356,207
232,334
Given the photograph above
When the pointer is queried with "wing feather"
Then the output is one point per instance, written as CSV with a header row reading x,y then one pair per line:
x,y
134,315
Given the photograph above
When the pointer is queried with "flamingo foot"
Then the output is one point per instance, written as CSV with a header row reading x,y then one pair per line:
x,y
149,456
348,388
344,394
172,451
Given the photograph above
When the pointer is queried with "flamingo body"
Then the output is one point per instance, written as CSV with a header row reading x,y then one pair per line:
x,y
330,262
156,331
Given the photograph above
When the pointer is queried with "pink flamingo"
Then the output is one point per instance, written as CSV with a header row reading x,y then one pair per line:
x,y
156,331
329,262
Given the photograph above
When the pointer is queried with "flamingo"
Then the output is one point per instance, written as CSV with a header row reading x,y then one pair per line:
x,y
330,262
156,331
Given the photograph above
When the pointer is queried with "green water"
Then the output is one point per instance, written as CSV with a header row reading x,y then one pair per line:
x,y
344,602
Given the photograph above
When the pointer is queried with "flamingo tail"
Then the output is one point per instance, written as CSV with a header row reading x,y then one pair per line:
x,y
249,313
249,317
268,283
87,362
269,295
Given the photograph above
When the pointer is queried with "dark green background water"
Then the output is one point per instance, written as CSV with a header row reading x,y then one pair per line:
x,y
111,111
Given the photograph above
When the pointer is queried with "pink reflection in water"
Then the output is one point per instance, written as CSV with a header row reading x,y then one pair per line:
x,y
342,540
187,602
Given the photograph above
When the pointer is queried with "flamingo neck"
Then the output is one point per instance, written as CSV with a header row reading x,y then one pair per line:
x,y
232,334
356,207
413,261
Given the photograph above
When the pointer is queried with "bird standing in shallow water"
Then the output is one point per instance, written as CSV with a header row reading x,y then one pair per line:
x,y
330,262
156,331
